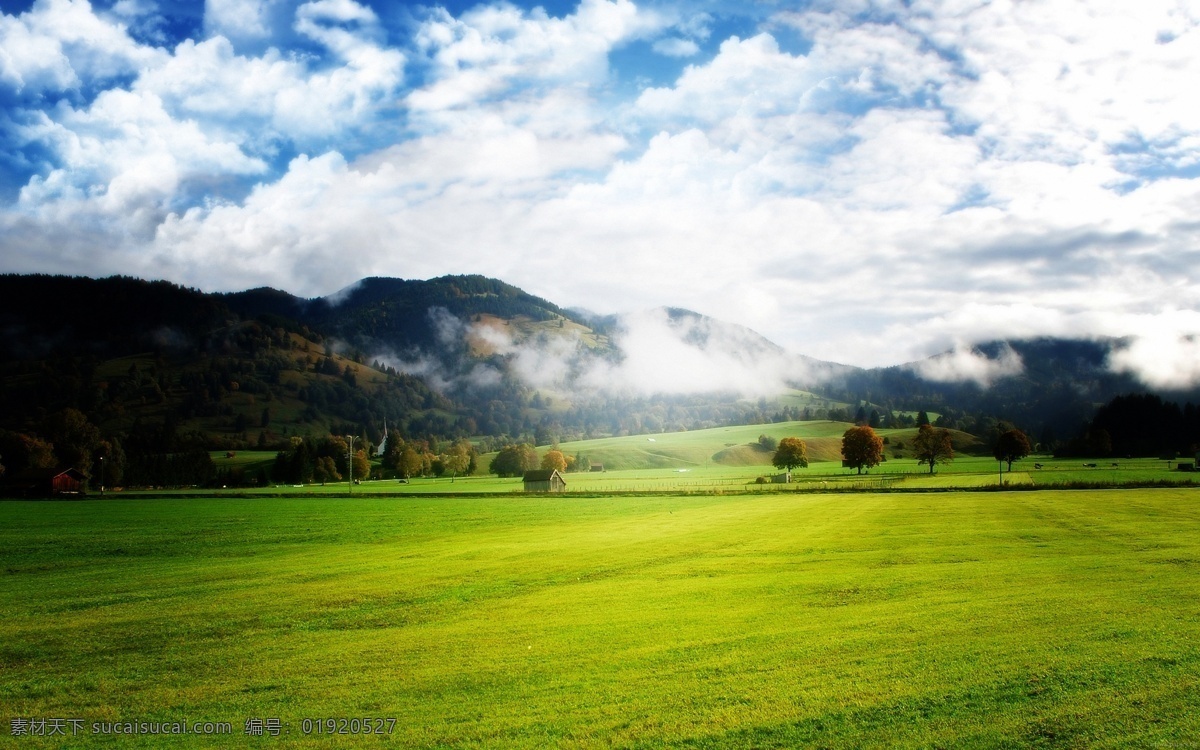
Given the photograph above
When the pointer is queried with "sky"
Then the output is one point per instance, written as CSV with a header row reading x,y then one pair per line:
x,y
862,181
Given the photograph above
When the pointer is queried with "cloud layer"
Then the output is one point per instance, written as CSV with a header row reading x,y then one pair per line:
x,y
867,182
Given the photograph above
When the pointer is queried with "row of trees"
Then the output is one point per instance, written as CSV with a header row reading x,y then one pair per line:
x,y
862,448
415,458
516,459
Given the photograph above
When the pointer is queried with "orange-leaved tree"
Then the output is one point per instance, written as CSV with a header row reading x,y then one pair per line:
x,y
861,447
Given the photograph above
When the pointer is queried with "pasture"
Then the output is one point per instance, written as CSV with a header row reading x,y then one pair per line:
x,y
899,474
729,459
997,619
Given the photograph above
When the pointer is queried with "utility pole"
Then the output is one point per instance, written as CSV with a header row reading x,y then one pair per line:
x,y
350,465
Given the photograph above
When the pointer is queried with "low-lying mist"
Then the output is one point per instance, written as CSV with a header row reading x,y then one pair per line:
x,y
651,353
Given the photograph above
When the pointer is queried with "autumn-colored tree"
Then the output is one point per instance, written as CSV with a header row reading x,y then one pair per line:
x,y
361,467
791,453
1012,445
554,459
861,447
933,446
21,452
514,460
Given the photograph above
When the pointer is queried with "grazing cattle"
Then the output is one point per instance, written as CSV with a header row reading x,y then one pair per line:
x,y
1116,464
1037,466
1089,466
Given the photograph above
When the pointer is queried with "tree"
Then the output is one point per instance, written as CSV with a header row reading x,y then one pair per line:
x,y
393,449
111,459
861,447
768,443
922,418
325,470
75,439
554,459
457,459
933,446
410,463
23,451
791,453
1012,445
360,466
514,460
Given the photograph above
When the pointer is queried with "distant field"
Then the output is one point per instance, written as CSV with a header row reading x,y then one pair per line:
x,y
998,619
727,459
965,472
724,446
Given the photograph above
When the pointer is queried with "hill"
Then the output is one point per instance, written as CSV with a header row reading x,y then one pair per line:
x,y
734,446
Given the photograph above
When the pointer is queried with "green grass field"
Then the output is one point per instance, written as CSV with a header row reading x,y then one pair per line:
x,y
729,459
965,472
956,619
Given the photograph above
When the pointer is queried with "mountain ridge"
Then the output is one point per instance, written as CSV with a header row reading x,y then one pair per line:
x,y
420,329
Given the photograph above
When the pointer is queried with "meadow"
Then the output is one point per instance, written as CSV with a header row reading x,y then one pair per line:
x,y
966,619
730,459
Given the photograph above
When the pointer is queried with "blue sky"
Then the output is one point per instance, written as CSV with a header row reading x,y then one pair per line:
x,y
865,181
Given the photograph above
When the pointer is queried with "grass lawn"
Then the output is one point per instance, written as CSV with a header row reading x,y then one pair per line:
x,y
995,619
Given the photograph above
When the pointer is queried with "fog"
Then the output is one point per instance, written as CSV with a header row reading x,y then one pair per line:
x,y
653,353
965,364
1165,360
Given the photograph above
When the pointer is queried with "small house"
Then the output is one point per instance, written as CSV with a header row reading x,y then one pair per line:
x,y
600,467
544,480
784,478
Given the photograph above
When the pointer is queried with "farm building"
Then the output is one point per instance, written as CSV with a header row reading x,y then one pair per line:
x,y
46,483
784,478
600,467
544,480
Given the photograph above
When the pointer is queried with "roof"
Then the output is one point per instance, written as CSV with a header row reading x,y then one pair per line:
x,y
542,475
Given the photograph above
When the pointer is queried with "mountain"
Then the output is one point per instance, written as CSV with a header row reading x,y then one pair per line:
x,y
396,313
469,355
1049,386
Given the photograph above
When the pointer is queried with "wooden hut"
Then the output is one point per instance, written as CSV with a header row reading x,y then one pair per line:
x,y
544,480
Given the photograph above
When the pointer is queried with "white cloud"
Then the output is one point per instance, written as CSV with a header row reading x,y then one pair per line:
x,y
130,145
1161,360
676,47
245,95
963,363
493,50
242,20
58,45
